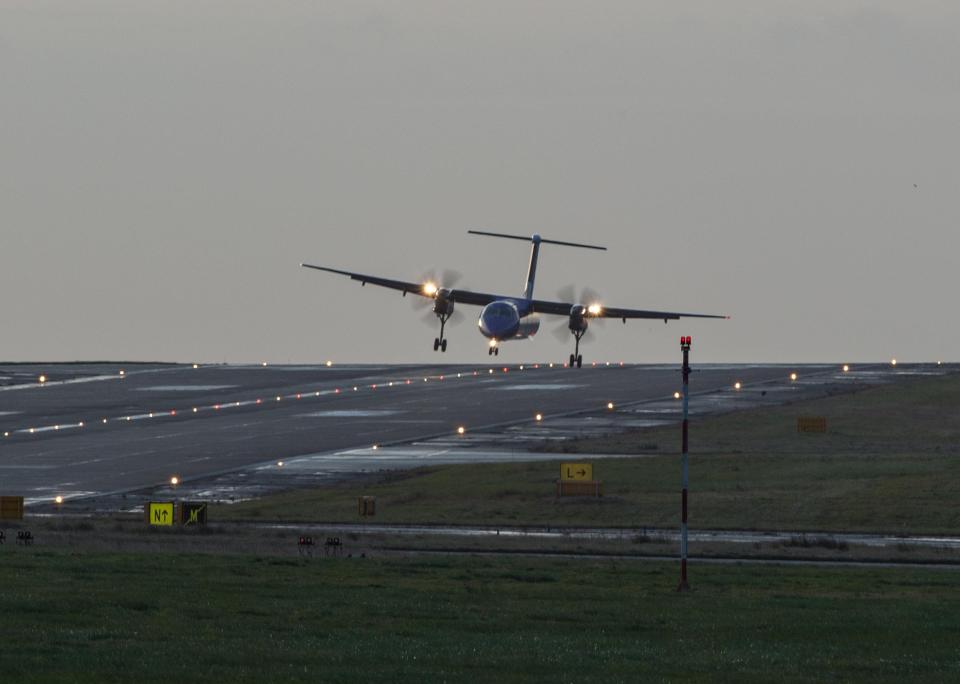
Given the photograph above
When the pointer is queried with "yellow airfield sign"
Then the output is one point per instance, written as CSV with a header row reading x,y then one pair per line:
x,y
576,471
160,513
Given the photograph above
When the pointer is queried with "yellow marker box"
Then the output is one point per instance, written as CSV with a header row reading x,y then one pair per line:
x,y
160,513
576,471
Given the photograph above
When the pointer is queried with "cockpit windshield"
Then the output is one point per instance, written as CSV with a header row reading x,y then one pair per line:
x,y
500,311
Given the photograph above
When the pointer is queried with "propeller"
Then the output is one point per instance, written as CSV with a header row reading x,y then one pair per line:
x,y
433,283
445,279
586,297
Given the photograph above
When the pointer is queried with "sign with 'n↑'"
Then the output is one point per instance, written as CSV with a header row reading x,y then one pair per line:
x,y
160,513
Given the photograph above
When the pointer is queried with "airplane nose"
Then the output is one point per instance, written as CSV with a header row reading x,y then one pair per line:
x,y
499,321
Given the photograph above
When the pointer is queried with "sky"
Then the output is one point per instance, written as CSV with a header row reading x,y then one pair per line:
x,y
166,166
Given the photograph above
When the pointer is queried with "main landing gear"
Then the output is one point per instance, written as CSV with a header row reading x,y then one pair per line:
x,y
493,351
576,358
441,342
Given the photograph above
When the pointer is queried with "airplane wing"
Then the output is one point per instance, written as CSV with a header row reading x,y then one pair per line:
x,y
459,296
563,309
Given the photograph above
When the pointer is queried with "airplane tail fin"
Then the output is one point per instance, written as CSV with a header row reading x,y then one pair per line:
x,y
534,252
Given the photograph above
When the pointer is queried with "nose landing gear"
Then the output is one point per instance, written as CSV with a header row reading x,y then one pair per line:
x,y
493,350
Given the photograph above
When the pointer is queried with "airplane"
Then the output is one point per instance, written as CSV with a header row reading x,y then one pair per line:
x,y
505,318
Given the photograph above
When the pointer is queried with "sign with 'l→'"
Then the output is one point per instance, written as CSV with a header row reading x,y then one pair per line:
x,y
576,471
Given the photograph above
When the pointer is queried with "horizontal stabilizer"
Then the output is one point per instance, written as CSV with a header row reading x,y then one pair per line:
x,y
535,238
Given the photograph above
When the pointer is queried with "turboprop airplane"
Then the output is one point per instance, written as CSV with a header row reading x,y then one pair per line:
x,y
506,318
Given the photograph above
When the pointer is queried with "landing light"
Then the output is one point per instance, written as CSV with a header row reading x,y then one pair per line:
x,y
429,288
594,309
493,343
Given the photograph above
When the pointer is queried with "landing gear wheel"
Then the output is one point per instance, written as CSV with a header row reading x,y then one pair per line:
x,y
579,360
443,346
436,343
496,351
573,360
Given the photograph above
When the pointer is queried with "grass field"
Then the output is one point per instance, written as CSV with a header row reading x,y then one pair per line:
x,y
890,462
109,617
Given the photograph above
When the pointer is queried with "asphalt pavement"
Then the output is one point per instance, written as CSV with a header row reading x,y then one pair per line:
x,y
93,430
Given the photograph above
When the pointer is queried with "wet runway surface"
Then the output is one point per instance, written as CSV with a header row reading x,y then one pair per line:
x,y
102,430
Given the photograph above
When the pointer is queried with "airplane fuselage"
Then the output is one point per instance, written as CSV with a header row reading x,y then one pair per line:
x,y
508,319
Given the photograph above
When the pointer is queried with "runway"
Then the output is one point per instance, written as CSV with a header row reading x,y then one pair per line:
x,y
99,429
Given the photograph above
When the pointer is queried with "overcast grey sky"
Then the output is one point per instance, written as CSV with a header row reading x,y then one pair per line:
x,y
167,165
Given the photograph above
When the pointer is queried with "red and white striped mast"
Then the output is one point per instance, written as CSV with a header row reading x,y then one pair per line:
x,y
685,348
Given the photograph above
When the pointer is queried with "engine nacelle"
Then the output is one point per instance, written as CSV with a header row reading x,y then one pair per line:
x,y
442,304
578,318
